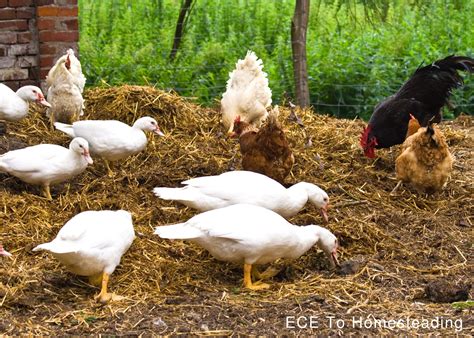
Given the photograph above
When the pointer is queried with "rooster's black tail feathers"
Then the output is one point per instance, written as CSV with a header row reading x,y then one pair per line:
x,y
455,62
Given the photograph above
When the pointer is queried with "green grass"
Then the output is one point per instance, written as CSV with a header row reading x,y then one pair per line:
x,y
353,62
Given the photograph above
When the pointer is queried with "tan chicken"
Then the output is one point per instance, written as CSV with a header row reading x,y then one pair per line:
x,y
265,151
63,94
247,94
425,161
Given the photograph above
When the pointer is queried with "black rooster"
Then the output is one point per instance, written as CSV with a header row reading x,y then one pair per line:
x,y
423,96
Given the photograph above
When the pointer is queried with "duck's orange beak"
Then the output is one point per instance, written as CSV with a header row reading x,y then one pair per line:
x,y
41,100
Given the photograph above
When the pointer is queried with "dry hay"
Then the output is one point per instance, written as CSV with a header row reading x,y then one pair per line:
x,y
395,243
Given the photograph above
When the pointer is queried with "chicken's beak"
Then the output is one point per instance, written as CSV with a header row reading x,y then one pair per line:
x,y
324,213
41,100
158,132
231,134
88,157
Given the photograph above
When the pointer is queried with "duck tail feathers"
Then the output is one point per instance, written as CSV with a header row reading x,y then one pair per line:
x,y
173,194
65,128
56,247
178,231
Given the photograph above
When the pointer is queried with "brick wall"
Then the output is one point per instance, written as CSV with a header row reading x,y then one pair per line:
x,y
33,34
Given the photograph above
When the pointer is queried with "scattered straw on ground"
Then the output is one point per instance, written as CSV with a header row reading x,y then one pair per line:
x,y
396,244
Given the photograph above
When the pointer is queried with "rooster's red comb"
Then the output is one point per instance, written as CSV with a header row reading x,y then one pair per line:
x,y
364,137
237,119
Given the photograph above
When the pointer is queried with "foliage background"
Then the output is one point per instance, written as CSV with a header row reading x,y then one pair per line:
x,y
359,51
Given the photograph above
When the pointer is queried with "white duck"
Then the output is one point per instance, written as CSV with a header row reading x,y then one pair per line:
x,y
92,244
14,105
249,234
3,252
47,164
247,94
110,139
233,187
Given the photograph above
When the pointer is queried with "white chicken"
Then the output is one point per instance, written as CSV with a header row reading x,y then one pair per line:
x,y
56,76
64,95
73,65
247,94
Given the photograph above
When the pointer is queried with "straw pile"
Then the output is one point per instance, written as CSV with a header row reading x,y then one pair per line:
x,y
392,246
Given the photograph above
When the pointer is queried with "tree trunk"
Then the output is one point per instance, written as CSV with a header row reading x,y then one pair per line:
x,y
299,25
180,25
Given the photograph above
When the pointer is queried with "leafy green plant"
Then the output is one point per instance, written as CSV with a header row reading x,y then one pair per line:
x,y
355,58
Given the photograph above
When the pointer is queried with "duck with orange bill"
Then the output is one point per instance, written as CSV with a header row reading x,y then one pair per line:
x,y
251,235
15,105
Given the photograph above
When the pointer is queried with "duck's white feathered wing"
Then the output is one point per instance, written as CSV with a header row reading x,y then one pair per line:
x,y
93,230
29,159
239,222
211,192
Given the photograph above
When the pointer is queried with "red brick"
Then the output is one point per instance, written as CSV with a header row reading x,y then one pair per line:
x,y
44,2
56,11
3,3
28,83
46,61
24,37
18,49
7,62
69,25
27,61
45,36
48,49
33,73
44,71
46,24
14,85
13,74
66,2
15,25
7,14
8,37
20,3
25,13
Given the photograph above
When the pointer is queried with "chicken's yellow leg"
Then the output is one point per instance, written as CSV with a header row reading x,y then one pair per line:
x,y
46,192
248,279
110,173
104,296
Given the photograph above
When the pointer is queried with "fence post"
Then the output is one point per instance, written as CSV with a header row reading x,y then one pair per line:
x,y
299,25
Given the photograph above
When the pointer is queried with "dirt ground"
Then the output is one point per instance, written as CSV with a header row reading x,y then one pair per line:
x,y
407,258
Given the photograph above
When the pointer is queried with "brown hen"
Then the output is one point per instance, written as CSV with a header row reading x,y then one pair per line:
x,y
265,151
425,161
